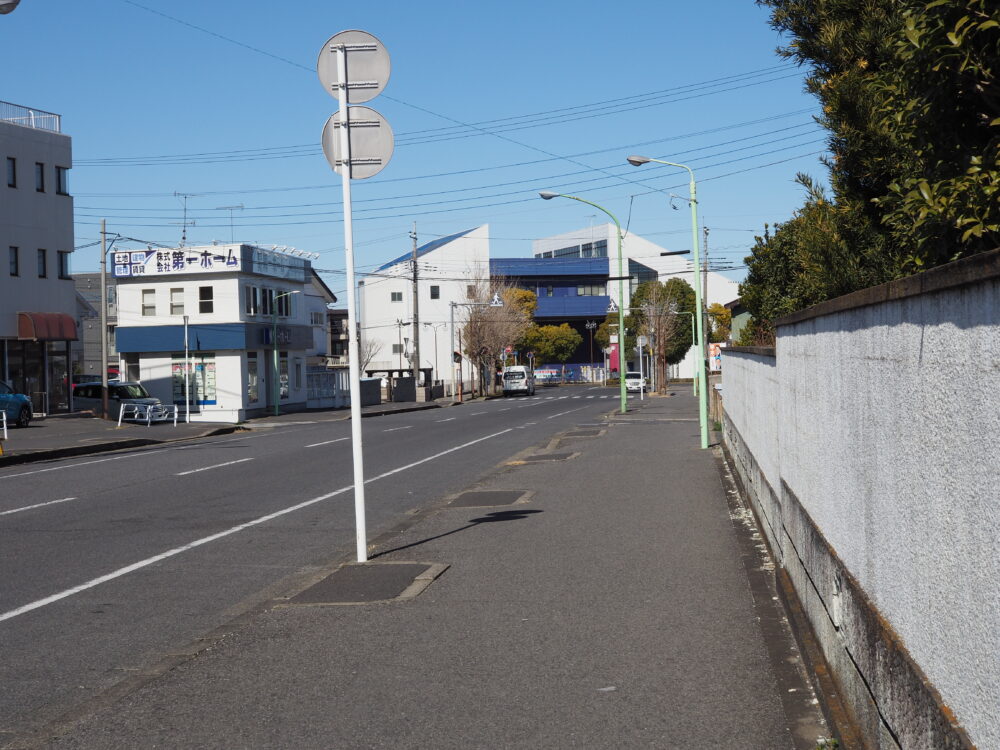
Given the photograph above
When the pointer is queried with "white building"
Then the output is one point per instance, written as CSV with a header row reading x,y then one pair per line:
x,y
600,241
254,318
37,296
446,269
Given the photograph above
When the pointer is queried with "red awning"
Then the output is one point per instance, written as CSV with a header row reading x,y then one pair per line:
x,y
40,326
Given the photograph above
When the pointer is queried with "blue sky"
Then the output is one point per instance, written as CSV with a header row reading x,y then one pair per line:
x,y
220,100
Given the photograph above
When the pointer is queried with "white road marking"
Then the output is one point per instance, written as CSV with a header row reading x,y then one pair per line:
x,y
228,532
566,412
506,409
127,455
476,413
449,419
36,505
216,466
327,442
393,429
590,396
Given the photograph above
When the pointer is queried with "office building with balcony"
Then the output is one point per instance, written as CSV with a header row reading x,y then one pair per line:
x,y
38,302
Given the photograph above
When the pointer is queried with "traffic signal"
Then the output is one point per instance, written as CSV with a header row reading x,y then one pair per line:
x,y
456,357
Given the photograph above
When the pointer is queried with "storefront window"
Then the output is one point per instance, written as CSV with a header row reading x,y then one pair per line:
x,y
253,380
283,375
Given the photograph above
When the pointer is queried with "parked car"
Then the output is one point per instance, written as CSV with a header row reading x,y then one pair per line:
x,y
17,406
518,379
634,382
87,396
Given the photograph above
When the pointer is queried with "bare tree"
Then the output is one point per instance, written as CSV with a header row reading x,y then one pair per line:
x,y
488,330
659,322
368,349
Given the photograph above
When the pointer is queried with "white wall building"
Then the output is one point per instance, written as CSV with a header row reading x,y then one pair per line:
x,y
37,296
446,268
600,241
250,327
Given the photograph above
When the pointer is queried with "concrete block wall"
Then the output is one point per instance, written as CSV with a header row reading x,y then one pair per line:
x,y
866,442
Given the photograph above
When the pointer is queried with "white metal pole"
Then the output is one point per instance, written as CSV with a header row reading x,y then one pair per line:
x,y
451,352
187,370
642,379
353,344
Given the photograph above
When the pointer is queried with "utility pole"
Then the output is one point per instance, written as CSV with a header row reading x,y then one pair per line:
x,y
104,321
416,312
704,293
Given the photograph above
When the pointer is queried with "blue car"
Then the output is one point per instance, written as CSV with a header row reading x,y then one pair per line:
x,y
16,405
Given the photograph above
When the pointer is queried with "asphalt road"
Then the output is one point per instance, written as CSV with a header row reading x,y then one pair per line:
x,y
112,562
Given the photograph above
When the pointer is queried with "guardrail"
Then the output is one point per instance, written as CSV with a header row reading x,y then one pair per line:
x,y
147,413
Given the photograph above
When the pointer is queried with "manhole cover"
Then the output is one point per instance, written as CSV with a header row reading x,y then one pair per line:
x,y
547,457
360,583
488,497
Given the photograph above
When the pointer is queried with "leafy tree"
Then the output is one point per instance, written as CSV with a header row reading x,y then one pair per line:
x,y
941,102
720,318
553,343
911,101
658,312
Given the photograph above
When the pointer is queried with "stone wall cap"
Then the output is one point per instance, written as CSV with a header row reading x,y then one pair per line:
x,y
974,269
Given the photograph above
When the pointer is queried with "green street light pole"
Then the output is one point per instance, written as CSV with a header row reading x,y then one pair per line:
x,y
637,161
548,195
275,389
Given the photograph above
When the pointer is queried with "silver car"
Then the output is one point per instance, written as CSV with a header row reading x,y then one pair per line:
x,y
87,396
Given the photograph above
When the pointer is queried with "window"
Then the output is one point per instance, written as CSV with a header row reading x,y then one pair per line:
x,y
11,172
62,180
177,301
267,302
251,300
206,303
253,381
43,266
284,300
283,375
470,291
396,296
565,252
64,265
397,348
591,290
548,291
39,177
15,261
435,292
148,302
316,318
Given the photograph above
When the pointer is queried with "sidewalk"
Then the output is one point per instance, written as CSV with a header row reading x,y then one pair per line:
x,y
609,607
78,434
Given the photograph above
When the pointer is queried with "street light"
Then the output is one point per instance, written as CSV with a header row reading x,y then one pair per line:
x,y
549,195
434,327
274,345
638,161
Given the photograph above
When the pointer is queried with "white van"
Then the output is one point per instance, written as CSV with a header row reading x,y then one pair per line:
x,y
518,379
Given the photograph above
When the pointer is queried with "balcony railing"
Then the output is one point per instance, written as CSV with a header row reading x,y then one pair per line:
x,y
30,118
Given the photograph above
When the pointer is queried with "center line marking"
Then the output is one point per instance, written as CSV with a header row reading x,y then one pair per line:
x,y
476,413
36,505
220,535
393,429
327,442
566,412
206,468
449,419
